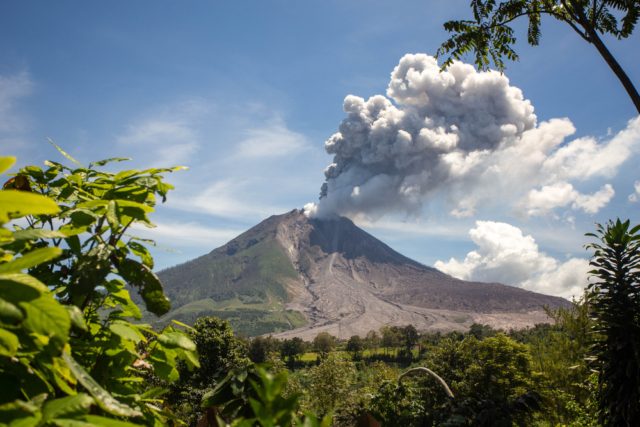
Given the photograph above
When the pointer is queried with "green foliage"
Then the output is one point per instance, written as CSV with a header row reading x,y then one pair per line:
x,y
501,368
397,404
330,383
292,348
253,396
559,367
60,363
324,342
355,345
260,348
490,37
217,349
615,305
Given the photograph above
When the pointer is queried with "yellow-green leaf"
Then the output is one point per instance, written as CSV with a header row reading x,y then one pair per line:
x,y
6,163
21,203
176,340
126,332
37,233
9,343
29,260
112,215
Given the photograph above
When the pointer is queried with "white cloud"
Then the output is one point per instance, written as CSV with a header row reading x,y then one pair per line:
x,y
634,197
170,136
226,198
505,256
186,234
275,140
542,202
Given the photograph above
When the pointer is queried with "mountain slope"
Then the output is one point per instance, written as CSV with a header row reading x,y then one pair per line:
x,y
298,277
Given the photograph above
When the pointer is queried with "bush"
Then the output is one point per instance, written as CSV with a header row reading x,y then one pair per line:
x,y
67,349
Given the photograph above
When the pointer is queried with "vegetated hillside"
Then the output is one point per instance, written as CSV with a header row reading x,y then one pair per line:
x,y
298,276
244,282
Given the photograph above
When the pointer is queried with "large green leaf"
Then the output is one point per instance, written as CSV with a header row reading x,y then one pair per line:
x,y
164,364
148,283
43,314
112,215
67,407
129,307
104,399
21,203
20,413
129,203
126,332
77,319
37,233
29,260
9,313
9,343
142,252
25,279
6,163
176,340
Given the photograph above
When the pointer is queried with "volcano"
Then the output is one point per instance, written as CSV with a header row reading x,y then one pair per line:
x,y
295,276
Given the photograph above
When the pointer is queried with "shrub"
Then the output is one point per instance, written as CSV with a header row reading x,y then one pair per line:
x,y
67,349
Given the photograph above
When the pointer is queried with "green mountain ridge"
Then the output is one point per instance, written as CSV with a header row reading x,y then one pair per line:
x,y
244,282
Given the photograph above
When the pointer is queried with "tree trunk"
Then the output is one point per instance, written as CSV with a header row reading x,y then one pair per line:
x,y
608,57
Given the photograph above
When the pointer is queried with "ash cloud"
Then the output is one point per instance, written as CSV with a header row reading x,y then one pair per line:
x,y
465,134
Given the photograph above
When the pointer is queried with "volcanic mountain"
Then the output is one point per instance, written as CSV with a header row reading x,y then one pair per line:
x,y
295,276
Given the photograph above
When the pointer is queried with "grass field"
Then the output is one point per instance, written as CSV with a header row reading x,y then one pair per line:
x,y
366,353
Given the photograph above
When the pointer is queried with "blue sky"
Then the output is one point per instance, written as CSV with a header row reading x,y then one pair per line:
x,y
246,94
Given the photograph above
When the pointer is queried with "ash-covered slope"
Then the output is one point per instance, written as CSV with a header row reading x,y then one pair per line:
x,y
341,278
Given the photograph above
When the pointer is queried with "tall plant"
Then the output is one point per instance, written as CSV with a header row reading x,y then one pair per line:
x,y
615,302
68,352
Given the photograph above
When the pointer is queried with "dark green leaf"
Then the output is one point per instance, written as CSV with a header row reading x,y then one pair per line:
x,y
67,407
104,399
148,283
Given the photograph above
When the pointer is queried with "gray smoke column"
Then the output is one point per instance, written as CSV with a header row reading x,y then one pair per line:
x,y
392,158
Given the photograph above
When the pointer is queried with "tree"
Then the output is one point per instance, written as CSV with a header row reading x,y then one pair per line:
x,y
330,383
409,337
355,345
501,368
615,303
260,348
490,37
389,337
373,340
292,348
324,343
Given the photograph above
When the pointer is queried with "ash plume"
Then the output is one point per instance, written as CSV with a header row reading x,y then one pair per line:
x,y
466,135
390,158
